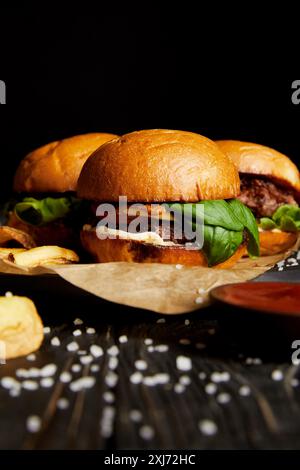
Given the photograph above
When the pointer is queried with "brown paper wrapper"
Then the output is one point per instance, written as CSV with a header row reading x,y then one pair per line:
x,y
161,288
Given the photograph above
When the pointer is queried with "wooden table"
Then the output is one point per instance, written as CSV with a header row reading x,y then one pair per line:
x,y
199,383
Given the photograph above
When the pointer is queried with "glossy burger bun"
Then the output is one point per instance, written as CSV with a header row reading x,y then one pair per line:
x,y
273,243
255,159
111,250
159,166
55,167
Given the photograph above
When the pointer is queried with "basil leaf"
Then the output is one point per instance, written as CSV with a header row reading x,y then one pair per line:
x,y
38,212
248,220
216,213
220,244
267,224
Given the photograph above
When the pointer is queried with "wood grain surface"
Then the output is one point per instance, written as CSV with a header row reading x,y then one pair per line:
x,y
153,403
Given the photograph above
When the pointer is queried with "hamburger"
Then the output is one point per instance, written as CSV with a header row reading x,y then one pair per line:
x,y
165,168
270,187
46,206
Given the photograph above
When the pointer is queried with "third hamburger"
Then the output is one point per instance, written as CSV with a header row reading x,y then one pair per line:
x,y
270,187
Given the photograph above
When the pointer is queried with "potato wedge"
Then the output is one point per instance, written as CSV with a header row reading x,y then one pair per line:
x,y
21,328
44,255
5,252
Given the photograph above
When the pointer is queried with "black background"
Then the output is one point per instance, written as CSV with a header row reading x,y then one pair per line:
x,y
88,70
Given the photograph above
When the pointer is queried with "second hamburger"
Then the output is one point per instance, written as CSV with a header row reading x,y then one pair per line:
x,y
163,167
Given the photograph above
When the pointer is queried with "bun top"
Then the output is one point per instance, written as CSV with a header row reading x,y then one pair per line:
x,y
55,167
156,166
257,159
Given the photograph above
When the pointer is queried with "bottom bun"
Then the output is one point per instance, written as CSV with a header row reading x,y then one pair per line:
x,y
111,250
272,243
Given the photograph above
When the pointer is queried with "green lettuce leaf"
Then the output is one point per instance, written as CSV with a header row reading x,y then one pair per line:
x,y
39,212
267,224
286,218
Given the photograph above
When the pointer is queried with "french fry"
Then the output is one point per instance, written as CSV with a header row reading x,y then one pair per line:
x,y
21,328
8,234
43,255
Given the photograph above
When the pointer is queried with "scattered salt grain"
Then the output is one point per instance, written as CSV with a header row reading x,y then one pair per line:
x,y
150,348
31,357
244,391
219,377
47,330
106,425
55,341
96,350
9,382
14,392
113,363
77,333
47,382
179,388
147,432
73,346
161,348
201,291
123,339
48,370
295,383
136,378
81,352
113,350
82,383
135,416
208,427
76,368
90,331
148,341
183,363
111,379
65,377
62,403
199,300
86,359
33,373
211,389
9,294
30,385
33,424
179,266
223,398
202,375
22,373
161,320
185,380
187,322
108,397
140,364
277,375
78,321
95,368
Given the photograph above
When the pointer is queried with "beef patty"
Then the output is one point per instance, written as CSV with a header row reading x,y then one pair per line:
x,y
263,196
